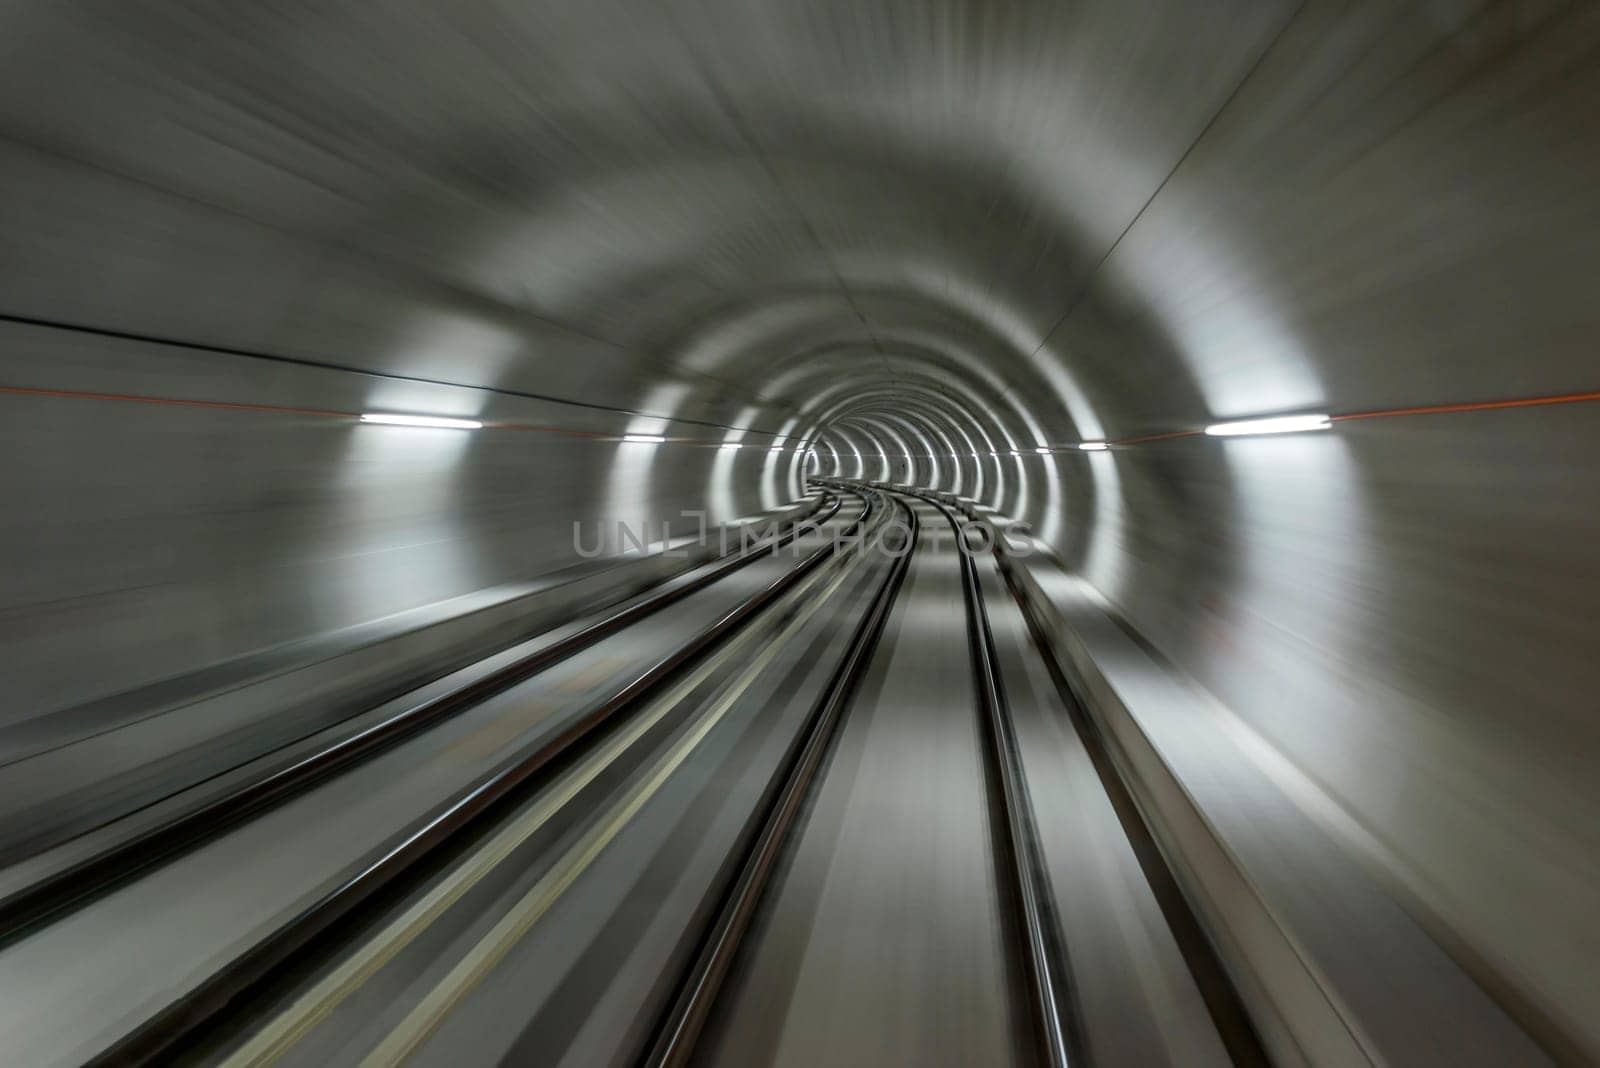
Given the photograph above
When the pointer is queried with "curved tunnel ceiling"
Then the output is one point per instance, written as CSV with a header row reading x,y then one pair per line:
x,y
1034,214
945,214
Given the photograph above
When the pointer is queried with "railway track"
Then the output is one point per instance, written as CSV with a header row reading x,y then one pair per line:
x,y
60,890
32,916
1037,942
833,746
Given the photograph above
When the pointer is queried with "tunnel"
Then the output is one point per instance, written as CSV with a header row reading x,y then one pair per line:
x,y
804,532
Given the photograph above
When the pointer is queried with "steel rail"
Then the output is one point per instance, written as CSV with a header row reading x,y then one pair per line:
x,y
763,841
176,1024
1044,957
1222,998
28,907
189,1016
1218,991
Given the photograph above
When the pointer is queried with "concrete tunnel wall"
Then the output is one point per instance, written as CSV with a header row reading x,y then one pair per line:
x,y
1031,227
168,537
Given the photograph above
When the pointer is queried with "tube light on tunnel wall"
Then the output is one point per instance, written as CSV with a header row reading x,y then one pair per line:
x,y
1093,446
1281,424
439,422
1042,450
643,439
730,445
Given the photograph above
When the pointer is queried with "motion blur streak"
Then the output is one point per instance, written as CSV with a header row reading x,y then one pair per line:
x,y
1307,721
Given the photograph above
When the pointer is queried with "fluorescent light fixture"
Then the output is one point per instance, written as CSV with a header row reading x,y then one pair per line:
x,y
730,445
439,422
1093,446
1280,424
643,439
776,448
1042,450
1014,452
